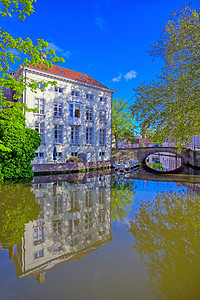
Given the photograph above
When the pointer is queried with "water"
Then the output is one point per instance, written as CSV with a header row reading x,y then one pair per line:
x,y
98,236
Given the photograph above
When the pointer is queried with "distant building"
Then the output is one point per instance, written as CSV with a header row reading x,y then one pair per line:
x,y
75,116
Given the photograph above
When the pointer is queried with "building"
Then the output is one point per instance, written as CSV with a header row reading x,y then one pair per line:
x,y
75,116
75,220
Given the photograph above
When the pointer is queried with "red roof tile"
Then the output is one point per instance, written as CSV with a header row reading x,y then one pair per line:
x,y
56,70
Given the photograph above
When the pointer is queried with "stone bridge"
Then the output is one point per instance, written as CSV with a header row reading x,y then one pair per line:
x,y
142,153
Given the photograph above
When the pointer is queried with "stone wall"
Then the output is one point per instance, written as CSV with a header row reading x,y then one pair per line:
x,y
70,167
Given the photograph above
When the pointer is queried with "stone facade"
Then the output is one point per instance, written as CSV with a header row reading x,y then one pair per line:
x,y
75,116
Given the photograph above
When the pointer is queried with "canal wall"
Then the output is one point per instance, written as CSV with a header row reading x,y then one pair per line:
x,y
59,168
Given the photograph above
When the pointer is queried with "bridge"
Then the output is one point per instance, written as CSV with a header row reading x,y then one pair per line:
x,y
142,153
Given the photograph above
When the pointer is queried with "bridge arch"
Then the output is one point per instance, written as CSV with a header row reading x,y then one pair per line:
x,y
153,151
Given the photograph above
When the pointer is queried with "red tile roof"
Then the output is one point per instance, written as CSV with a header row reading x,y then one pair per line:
x,y
56,70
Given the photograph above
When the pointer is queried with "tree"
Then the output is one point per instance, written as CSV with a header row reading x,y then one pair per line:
x,y
122,195
166,235
122,122
28,53
170,105
21,143
17,207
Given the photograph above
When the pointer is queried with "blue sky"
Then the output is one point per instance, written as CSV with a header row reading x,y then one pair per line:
x,y
106,39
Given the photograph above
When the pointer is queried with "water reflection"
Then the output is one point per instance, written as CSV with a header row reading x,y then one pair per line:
x,y
166,235
163,161
74,220
17,207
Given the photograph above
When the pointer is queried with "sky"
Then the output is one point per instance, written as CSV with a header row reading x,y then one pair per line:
x,y
107,39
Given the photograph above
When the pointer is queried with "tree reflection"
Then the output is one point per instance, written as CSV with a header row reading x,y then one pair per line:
x,y
166,235
17,207
122,194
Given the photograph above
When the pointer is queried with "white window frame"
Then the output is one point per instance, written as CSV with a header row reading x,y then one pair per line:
x,y
38,234
73,109
39,130
57,115
74,141
89,114
102,116
89,96
58,89
39,106
102,141
75,94
89,135
59,139
39,253
102,100
57,229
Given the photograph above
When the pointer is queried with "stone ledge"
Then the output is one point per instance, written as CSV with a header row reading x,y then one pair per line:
x,y
56,168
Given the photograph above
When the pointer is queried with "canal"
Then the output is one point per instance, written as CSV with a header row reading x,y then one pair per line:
x,y
100,236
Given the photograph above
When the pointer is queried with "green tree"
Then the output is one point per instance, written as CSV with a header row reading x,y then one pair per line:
x,y
166,234
122,195
28,52
21,142
122,121
17,208
170,105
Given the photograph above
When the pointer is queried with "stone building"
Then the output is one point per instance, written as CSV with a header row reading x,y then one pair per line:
x,y
75,116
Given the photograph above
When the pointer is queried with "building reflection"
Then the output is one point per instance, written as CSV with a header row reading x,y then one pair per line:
x,y
74,220
164,161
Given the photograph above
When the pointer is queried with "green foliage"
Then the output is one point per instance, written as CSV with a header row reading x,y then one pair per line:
x,y
170,105
21,142
17,207
122,195
157,166
122,121
23,52
166,234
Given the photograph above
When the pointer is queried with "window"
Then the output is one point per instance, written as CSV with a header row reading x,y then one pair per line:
x,y
88,219
39,127
58,109
57,247
89,135
102,138
101,215
59,154
74,135
101,195
57,204
38,254
58,134
74,154
102,100
88,200
58,89
74,226
39,104
89,96
57,228
89,114
102,153
102,116
74,201
38,235
39,154
75,93
74,110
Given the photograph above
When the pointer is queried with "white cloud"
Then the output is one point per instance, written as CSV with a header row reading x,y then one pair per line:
x,y
130,75
101,23
61,51
117,79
